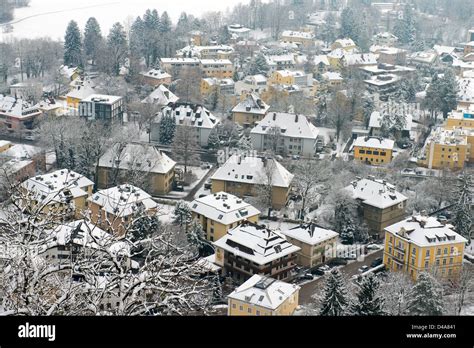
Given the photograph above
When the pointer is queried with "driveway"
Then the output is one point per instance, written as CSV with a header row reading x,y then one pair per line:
x,y
309,289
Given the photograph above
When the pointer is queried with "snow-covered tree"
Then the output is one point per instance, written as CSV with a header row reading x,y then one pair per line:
x,y
344,223
259,65
73,45
334,301
396,289
182,215
92,39
117,47
213,141
369,300
405,27
185,145
448,92
463,213
426,297
167,129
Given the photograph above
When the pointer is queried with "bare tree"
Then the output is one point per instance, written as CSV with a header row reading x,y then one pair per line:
x,y
339,113
146,113
185,146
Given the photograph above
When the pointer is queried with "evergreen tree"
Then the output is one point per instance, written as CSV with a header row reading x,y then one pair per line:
x,y
117,46
143,226
350,25
368,107
259,65
405,27
167,129
344,222
224,35
92,39
196,236
165,23
73,45
432,99
137,32
182,215
426,297
448,92
213,140
245,143
335,299
463,213
328,33
369,302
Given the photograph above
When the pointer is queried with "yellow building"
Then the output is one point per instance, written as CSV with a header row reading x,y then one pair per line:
x,y
422,243
346,44
301,38
250,110
446,149
460,119
113,209
210,85
62,192
318,245
220,212
260,296
332,79
218,68
244,175
372,150
153,166
5,145
81,88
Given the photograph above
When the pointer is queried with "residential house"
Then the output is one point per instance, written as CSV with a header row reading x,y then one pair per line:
x,y
301,38
113,209
220,86
376,121
218,68
389,55
384,39
286,134
155,77
249,111
280,62
206,52
81,89
27,152
383,69
250,249
423,58
423,244
242,175
186,114
143,162
18,117
465,93
69,72
262,295
220,212
333,79
239,31
63,193
345,44
318,244
381,204
460,119
357,60
254,83
373,150
105,108
174,66
335,58
5,145
161,96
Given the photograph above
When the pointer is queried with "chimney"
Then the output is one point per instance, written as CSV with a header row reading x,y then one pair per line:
x,y
274,116
296,118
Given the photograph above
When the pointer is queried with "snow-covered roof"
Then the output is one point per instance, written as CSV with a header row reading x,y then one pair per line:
x,y
216,62
426,231
22,151
360,59
374,142
385,49
376,120
123,200
54,187
156,74
190,114
449,137
17,108
338,53
208,263
197,51
375,192
68,71
81,88
139,157
297,34
332,76
179,60
213,81
280,58
251,170
386,68
290,125
310,233
252,104
5,143
385,35
223,208
383,79
161,96
256,243
423,57
102,98
264,292
345,43
237,28
440,50
321,59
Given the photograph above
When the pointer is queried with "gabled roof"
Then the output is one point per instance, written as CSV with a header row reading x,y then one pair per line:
x,y
376,193
376,121
291,125
17,107
252,104
310,233
360,59
256,243
223,208
375,142
190,114
251,170
138,157
264,292
161,96
156,74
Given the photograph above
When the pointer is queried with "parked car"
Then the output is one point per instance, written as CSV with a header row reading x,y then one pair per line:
x,y
378,261
205,166
208,185
364,268
179,187
373,247
338,262
350,256
295,157
442,218
307,276
318,272
203,195
324,268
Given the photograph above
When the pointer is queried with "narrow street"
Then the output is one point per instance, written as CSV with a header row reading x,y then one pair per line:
x,y
315,287
192,193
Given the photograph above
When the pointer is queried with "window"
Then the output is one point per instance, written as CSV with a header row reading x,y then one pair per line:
x,y
361,151
444,261
383,153
445,251
414,251
233,305
249,310
257,312
426,264
241,308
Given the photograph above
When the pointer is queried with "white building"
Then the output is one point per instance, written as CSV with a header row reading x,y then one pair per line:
x,y
296,135
161,96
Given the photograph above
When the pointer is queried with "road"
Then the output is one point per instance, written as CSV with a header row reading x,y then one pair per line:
x,y
192,193
312,288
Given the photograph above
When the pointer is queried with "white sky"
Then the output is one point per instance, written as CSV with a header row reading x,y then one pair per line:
x,y
37,20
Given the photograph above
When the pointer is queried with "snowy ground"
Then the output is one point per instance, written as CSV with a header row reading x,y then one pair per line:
x,y
50,17
200,173
278,225
470,248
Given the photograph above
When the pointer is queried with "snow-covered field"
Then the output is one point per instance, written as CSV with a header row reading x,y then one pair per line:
x,y
50,17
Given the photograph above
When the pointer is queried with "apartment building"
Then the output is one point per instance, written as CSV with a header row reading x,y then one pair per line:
x,y
423,244
250,110
373,150
317,244
18,117
286,134
220,212
105,108
218,68
250,249
382,205
242,175
261,296
301,38
155,77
